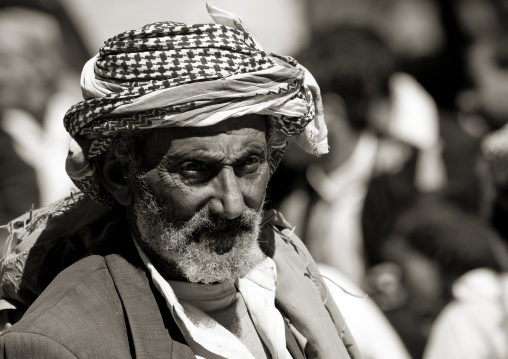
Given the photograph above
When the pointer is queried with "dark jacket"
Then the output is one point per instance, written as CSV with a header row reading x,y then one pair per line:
x,y
105,306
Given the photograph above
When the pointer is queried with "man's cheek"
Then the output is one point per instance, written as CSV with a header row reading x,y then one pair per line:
x,y
182,202
256,189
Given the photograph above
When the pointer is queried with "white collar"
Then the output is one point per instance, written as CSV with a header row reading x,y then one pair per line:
x,y
215,341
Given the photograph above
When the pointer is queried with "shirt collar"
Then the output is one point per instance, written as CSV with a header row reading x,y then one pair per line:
x,y
209,339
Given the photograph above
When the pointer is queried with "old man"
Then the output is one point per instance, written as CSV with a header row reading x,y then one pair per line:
x,y
179,131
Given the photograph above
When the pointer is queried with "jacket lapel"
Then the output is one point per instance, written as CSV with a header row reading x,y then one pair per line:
x,y
154,334
152,329
311,310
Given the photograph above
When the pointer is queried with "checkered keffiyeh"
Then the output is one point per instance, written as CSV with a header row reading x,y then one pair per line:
x,y
170,74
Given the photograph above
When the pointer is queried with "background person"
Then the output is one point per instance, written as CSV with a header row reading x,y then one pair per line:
x,y
37,85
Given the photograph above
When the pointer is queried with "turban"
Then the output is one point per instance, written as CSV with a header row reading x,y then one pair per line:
x,y
169,74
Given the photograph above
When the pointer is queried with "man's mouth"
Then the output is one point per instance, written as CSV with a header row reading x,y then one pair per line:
x,y
220,241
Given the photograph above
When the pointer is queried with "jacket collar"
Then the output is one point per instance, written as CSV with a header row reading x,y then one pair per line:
x,y
153,333
303,297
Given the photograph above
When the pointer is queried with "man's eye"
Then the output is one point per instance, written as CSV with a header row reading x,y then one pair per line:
x,y
250,164
193,169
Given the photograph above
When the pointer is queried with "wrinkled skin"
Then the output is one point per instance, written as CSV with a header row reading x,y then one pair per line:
x,y
223,167
220,171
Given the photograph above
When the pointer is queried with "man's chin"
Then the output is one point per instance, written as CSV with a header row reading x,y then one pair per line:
x,y
210,266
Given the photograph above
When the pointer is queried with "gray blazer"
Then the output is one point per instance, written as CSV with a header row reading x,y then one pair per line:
x,y
105,306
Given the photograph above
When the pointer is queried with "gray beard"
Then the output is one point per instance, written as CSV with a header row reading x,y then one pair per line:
x,y
207,248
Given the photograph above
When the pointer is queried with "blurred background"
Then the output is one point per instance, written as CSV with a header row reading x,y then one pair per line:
x,y
410,205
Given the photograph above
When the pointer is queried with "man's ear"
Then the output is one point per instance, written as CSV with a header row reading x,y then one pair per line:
x,y
114,178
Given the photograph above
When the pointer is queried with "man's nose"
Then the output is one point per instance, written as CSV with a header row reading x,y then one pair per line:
x,y
228,200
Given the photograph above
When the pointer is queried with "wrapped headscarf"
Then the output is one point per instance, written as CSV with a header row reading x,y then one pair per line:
x,y
170,74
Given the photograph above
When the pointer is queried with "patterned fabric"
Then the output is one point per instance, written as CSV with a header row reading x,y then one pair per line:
x,y
170,74
495,151
26,260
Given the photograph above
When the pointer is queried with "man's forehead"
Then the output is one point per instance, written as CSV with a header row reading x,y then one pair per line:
x,y
250,128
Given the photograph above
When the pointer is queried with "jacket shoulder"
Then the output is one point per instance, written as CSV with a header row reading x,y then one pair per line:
x,y
45,241
29,345
81,306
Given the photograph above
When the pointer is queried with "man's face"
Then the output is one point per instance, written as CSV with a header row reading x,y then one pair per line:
x,y
199,196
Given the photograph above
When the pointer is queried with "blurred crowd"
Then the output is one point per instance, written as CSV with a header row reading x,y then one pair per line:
x,y
410,206
41,56
411,203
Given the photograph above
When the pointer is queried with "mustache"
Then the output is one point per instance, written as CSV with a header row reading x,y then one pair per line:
x,y
217,230
219,223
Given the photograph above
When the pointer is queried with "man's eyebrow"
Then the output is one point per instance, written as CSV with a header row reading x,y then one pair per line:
x,y
203,155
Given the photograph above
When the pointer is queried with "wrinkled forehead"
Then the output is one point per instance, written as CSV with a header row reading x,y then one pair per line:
x,y
231,134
